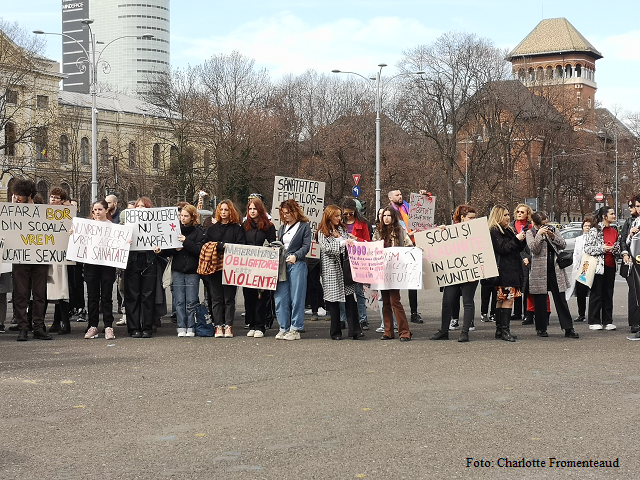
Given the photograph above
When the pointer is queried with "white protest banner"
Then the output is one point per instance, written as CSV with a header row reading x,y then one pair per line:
x,y
402,269
99,243
35,233
249,266
154,227
372,297
367,261
422,211
460,253
308,193
314,251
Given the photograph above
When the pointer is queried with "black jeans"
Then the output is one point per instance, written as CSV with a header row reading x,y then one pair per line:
x,y
76,286
487,294
100,279
255,306
413,301
223,299
314,288
30,279
351,308
451,296
601,297
140,291
582,292
633,309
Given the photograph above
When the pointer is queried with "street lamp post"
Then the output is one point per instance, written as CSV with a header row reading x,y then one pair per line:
x,y
378,106
92,62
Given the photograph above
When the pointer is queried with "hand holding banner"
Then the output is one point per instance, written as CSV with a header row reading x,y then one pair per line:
x,y
99,243
367,261
154,227
251,267
422,210
402,269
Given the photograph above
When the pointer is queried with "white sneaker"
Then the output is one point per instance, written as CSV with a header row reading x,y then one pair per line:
x,y
308,312
280,335
321,312
258,334
472,327
454,325
91,333
182,332
609,326
108,334
190,332
380,330
251,333
595,326
122,321
292,335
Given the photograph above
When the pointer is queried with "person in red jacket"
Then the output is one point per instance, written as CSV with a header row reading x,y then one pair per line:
x,y
359,228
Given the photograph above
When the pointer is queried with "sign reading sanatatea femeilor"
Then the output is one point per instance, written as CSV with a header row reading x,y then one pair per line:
x,y
35,233
154,227
251,267
460,253
308,193
99,243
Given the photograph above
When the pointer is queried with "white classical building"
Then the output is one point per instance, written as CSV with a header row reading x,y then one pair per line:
x,y
132,61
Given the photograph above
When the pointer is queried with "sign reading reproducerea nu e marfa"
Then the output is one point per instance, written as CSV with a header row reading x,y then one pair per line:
x,y
35,233
154,227
367,262
99,243
422,209
308,193
251,267
460,253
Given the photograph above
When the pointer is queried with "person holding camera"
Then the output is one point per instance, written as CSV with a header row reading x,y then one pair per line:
x,y
546,275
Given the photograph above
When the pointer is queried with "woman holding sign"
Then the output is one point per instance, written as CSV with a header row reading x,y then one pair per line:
x,y
100,280
227,229
452,293
507,247
258,229
332,238
393,235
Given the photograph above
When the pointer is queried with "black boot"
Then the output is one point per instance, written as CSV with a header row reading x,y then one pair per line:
x,y
528,319
498,323
464,335
440,335
505,319
55,326
65,327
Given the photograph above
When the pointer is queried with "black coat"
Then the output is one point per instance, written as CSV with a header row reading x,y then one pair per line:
x,y
257,237
507,249
186,259
225,233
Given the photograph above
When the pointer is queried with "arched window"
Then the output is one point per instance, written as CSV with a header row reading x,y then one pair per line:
x,y
539,73
173,157
578,70
104,151
156,156
84,151
40,143
85,201
65,186
43,190
549,73
132,155
532,74
568,71
207,161
63,149
10,139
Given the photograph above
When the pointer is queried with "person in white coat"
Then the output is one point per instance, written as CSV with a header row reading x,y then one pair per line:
x,y
580,290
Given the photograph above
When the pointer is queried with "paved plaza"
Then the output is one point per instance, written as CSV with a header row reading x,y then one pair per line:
x,y
205,408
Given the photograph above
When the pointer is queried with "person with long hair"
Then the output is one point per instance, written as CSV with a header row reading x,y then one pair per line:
x,y
358,227
546,276
580,290
507,246
332,239
257,229
100,280
295,235
184,270
522,222
140,279
226,229
393,235
602,243
451,293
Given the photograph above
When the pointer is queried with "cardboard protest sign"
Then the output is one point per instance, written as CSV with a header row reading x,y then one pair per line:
x,y
99,243
422,211
35,233
460,253
367,262
314,251
402,269
154,227
308,193
249,266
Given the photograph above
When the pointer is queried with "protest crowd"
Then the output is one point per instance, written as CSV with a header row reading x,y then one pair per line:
x,y
146,251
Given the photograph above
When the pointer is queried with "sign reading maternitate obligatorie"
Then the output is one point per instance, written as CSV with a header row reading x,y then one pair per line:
x,y
35,233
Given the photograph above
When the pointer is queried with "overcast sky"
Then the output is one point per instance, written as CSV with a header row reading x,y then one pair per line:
x,y
291,36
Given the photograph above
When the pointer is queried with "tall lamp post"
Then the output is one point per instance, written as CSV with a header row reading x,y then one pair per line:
x,y
90,60
553,168
378,106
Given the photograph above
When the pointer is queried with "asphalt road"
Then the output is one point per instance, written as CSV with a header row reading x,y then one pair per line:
x,y
206,408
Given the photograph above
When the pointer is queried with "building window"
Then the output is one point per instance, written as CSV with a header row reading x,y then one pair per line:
x,y
132,155
63,149
40,143
104,151
42,102
10,139
156,156
173,157
43,190
12,97
84,151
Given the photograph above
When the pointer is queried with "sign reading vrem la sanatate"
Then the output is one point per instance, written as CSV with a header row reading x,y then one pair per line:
x,y
35,233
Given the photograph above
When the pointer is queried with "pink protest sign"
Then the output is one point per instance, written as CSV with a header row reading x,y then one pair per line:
x,y
367,261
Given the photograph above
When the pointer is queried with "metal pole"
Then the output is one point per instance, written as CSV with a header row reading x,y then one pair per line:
x,y
553,198
466,171
378,101
94,127
616,145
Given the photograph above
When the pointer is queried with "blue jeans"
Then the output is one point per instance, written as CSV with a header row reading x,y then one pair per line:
x,y
290,296
185,298
362,303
